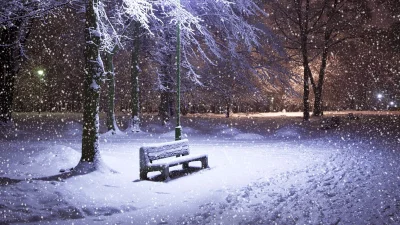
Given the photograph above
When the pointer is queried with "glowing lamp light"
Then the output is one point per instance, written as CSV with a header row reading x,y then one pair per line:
x,y
391,103
41,74
379,96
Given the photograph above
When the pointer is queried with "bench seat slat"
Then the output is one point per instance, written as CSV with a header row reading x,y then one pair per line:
x,y
183,150
177,161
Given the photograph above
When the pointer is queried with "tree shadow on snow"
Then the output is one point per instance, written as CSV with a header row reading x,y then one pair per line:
x,y
4,181
81,169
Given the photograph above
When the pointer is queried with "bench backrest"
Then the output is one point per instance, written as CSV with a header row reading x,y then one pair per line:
x,y
148,153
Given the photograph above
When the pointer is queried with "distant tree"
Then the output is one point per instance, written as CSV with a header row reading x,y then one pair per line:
x,y
111,122
121,22
135,70
311,29
113,25
218,33
16,17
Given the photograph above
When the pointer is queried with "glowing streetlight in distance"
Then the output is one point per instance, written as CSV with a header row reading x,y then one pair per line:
x,y
379,96
41,74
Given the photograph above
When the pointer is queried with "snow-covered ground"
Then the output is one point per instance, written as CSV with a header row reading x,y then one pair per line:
x,y
264,169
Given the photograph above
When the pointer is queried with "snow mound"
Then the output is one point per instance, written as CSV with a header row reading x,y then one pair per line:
x,y
51,160
88,167
58,155
248,136
289,131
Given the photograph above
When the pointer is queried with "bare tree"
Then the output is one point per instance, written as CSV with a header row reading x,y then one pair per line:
x,y
311,29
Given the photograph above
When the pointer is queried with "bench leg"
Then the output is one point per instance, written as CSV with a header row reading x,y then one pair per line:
x,y
204,162
185,165
165,173
143,175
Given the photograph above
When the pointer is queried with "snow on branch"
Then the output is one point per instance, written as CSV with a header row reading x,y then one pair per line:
x,y
141,11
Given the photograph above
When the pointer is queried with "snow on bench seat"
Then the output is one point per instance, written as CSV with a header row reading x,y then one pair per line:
x,y
178,161
163,152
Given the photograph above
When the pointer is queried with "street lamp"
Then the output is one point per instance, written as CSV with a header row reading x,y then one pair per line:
x,y
380,104
41,76
391,105
178,128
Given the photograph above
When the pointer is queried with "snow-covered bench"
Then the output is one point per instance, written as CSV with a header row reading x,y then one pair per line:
x,y
163,152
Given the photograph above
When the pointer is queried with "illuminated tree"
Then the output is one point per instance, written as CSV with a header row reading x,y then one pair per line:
x,y
311,29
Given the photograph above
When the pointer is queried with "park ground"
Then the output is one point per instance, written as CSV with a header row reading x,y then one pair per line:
x,y
264,168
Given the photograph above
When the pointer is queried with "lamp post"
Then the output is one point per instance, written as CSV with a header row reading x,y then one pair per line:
x,y
41,75
178,128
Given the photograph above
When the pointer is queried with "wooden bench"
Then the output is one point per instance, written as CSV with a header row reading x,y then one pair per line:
x,y
164,152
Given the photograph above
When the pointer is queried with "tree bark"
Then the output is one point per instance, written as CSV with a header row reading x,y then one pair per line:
x,y
109,70
318,102
303,27
228,109
93,74
135,126
306,94
318,111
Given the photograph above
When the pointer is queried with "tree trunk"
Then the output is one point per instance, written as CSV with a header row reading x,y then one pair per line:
x,y
135,126
318,102
303,24
318,111
9,69
109,70
306,88
93,74
228,109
